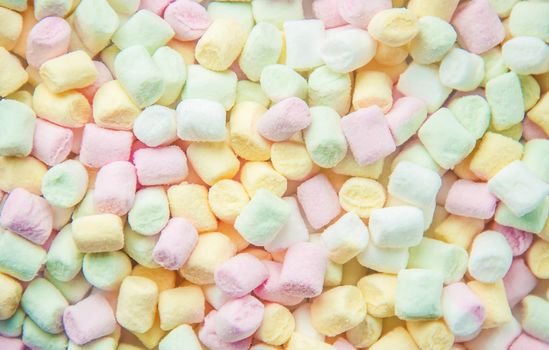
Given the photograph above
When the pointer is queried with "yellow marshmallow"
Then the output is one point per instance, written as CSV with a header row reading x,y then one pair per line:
x,y
10,296
539,114
463,168
12,73
29,21
98,233
213,161
34,76
70,109
22,96
113,108
228,230
361,196
182,305
190,201
493,154
227,198
496,307
373,88
12,25
73,70
249,91
439,216
366,333
299,341
256,175
352,272
393,27
333,275
379,290
212,250
153,336
433,335
292,160
348,166
220,45
439,8
537,258
26,172
458,230
390,56
185,49
164,279
136,306
337,310
393,72
277,326
245,140
398,338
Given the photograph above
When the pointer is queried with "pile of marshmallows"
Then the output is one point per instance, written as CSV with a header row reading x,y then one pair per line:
x,y
238,177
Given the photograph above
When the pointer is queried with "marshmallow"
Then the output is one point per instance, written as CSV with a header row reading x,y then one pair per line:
x,y
164,279
114,190
69,71
304,40
277,326
13,73
442,9
463,311
209,337
396,227
378,290
182,305
347,50
414,184
143,28
150,212
388,260
239,318
10,296
360,13
293,231
181,335
136,305
228,277
246,141
324,137
174,71
284,119
73,290
526,55
494,153
12,170
373,88
51,143
250,91
519,281
220,45
227,198
405,117
98,233
473,113
160,166
504,96
519,240
65,184
535,258
76,319
190,201
391,56
461,70
349,167
493,64
20,258
393,27
13,27
364,334
48,39
318,190
492,296
487,248
156,126
140,248
257,175
431,90
95,22
528,19
125,7
496,338
272,289
12,327
188,19
113,108
470,199
525,341
345,238
418,294
303,323
330,89
213,161
448,259
534,317
176,243
35,337
533,222
280,82
431,334
531,91
237,12
210,85
414,152
538,114
303,270
70,109
397,338
263,48
64,260
201,120
44,304
101,146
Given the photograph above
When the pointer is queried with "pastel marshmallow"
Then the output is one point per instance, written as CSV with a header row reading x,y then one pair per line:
x,y
304,39
176,243
431,91
51,143
492,296
280,81
115,186
48,39
12,327
526,55
245,139
389,232
534,316
346,50
360,13
330,89
95,23
98,233
373,88
65,184
239,318
150,211
9,297
159,32
448,259
393,27
504,96
20,258
240,13
519,281
424,333
73,70
462,310
229,279
210,85
524,341
418,295
201,120
137,296
533,159
272,289
414,184
19,124
76,319
535,257
378,290
174,71
49,315
262,48
106,271
533,222
13,73
361,196
488,159
405,117
346,238
64,260
209,337
181,305
473,112
434,39
461,70
318,190
11,32
471,199
284,119
220,45
160,166
183,334
113,108
227,198
292,160
140,248
156,126
519,240
277,326
188,20
101,146
190,201
303,270
488,247
528,20
36,337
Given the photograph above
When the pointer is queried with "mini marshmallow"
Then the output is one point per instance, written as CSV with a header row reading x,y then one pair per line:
x,y
431,90
238,12
140,248
102,146
448,259
34,336
125,7
210,85
293,231
227,198
182,305
98,233
324,137
251,91
414,152
73,290
190,201
113,108
64,260
347,50
531,91
182,334
303,270
461,70
388,260
284,119
364,334
13,73
346,238
489,247
463,311
518,188
534,317
304,39
494,153
65,184
213,161
504,96
13,27
397,338
538,113
261,175
76,319
473,112
11,169
418,294
471,199
70,109
533,222
330,89
20,258
280,82
277,326
174,71
95,22
318,190
47,39
519,240
239,318
405,117
19,123
492,297
229,279
272,289
442,9
12,327
303,323
434,39
263,48
431,334
396,227
526,55
10,296
73,70
157,32
201,120
373,88
378,290
393,27
44,304
160,166
138,296
525,341
414,183
245,138
519,281
535,258
51,143
176,243
156,126
209,337
360,13
114,190
528,19
188,20
220,45
150,211
164,279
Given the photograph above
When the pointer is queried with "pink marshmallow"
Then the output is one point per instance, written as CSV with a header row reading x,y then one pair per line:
x,y
176,243
160,166
230,279
342,344
238,319
89,319
11,344
271,289
51,143
531,130
463,311
471,199
103,75
156,6
188,19
478,26
403,118
519,282
115,186
208,336
77,134
319,201
327,12
519,240
284,119
526,342
49,38
102,146
303,270
360,12
28,215
367,132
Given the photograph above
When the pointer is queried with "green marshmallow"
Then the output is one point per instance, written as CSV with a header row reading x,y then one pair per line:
x,y
279,81
174,71
73,290
473,113
324,137
330,89
211,85
20,258
531,91
139,75
106,270
534,221
434,39
44,304
95,22
65,184
150,211
182,336
504,95
416,153
263,48
17,131
249,91
535,158
140,248
143,28
13,326
418,295
277,12
494,65
86,207
448,259
36,338
64,260
240,12
529,18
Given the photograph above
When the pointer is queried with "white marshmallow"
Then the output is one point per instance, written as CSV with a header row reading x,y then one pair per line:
x,y
155,126
414,184
461,70
491,257
348,49
387,260
460,309
526,55
396,227
304,40
303,323
518,188
215,297
347,237
499,338
201,120
294,231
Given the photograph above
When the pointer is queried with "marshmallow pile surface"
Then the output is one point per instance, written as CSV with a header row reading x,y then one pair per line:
x,y
274,174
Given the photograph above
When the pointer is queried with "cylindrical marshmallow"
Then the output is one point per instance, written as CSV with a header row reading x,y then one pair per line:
x,y
150,211
73,70
140,247
379,290
346,238
49,38
156,126
245,139
303,270
519,282
526,55
52,143
227,198
284,119
434,39
101,146
396,227
114,190
345,50
182,305
98,233
64,260
10,296
239,318
318,189
462,310
209,337
201,120
490,257
330,89
418,294
20,258
130,33
324,137
535,314
181,335
36,337
448,259
229,278
160,166
496,308
261,175
190,201
393,27
174,70
188,19
359,13
470,199
536,258
65,184
136,305
461,70
95,23
211,85
263,48
272,289
81,328
18,127
220,45
280,81
176,243
473,112
113,108
373,88
44,304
